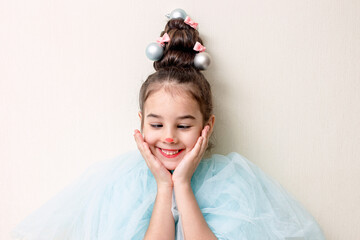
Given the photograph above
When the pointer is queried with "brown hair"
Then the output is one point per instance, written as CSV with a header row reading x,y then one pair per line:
x,y
176,67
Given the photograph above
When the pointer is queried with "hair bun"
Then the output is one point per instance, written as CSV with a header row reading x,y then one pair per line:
x,y
177,23
179,50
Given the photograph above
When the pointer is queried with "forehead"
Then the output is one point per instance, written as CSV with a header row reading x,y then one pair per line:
x,y
171,101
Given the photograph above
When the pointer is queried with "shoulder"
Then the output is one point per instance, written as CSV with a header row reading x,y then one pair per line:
x,y
120,188
128,160
232,171
231,187
116,168
230,164
232,157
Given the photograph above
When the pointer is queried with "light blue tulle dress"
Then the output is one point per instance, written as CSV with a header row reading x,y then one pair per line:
x,y
114,199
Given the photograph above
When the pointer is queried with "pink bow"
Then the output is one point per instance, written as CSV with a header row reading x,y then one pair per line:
x,y
190,22
162,40
198,47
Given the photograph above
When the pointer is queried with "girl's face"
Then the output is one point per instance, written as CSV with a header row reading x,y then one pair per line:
x,y
172,125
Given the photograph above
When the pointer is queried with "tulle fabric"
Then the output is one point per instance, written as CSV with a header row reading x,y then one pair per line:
x,y
114,200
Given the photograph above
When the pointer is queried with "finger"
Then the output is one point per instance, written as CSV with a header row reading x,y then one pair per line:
x,y
206,139
146,150
143,147
139,140
210,130
196,150
138,134
150,158
205,131
203,147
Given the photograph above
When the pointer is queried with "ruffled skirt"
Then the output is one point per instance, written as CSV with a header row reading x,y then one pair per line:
x,y
114,199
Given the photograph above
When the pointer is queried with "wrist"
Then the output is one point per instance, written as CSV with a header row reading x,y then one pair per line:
x,y
182,184
181,180
164,188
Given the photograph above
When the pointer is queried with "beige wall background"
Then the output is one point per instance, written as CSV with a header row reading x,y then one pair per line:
x,y
285,75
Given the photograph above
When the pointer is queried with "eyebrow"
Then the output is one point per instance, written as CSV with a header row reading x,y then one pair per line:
x,y
181,117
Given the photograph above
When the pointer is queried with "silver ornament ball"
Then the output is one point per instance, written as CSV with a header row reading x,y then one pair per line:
x,y
202,60
178,13
154,51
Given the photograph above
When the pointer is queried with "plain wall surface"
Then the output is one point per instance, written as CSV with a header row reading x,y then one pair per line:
x,y
285,77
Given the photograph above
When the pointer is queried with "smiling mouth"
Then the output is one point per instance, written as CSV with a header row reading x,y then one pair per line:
x,y
169,153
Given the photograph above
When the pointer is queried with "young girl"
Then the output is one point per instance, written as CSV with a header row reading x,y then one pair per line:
x,y
165,190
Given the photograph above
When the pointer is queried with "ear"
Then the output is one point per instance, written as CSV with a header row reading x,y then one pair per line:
x,y
211,123
140,115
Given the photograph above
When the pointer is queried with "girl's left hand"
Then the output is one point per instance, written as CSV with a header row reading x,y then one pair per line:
x,y
188,165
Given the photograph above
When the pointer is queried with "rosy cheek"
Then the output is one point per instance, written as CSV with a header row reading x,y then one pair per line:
x,y
150,137
191,139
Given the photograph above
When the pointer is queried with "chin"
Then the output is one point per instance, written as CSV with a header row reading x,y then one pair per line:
x,y
170,165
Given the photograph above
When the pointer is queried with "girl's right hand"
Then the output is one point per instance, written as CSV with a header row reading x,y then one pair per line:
x,y
161,174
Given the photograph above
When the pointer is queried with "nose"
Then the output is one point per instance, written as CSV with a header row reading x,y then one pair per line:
x,y
169,135
169,140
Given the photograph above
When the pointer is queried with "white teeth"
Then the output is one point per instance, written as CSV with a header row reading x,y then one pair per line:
x,y
170,152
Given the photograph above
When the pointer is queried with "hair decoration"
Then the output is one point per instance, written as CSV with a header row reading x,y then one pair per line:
x,y
164,39
154,51
190,22
198,47
202,59
177,13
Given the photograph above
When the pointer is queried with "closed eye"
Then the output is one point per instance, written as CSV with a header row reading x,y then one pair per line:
x,y
183,126
156,125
